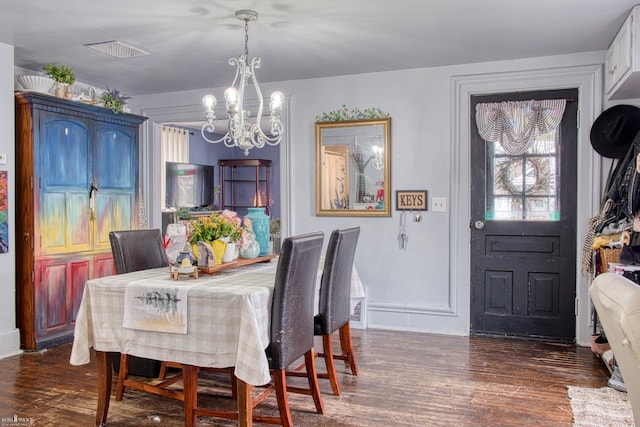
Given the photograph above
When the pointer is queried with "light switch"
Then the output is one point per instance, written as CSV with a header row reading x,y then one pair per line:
x,y
3,158
438,204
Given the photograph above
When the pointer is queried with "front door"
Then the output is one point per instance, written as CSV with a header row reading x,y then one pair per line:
x,y
523,229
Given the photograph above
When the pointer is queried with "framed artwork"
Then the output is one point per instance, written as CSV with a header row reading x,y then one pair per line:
x,y
4,212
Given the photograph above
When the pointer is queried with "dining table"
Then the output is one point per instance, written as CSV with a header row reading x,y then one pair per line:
x,y
225,323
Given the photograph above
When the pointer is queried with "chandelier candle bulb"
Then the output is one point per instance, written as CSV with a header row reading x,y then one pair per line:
x,y
232,95
209,101
277,99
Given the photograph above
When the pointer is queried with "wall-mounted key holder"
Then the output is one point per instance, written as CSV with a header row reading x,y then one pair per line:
x,y
411,200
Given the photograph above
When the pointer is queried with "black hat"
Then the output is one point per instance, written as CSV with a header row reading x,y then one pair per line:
x,y
614,130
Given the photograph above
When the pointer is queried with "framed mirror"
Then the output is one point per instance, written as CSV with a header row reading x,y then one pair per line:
x,y
353,168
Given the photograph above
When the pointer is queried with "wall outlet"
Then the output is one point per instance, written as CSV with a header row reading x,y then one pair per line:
x,y
438,204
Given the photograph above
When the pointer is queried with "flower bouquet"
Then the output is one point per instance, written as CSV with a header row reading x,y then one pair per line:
x,y
218,231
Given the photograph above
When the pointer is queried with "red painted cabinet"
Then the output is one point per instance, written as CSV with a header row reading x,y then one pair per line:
x,y
63,150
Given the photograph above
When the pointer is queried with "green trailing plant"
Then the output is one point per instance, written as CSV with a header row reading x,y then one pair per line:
x,y
62,74
114,101
343,113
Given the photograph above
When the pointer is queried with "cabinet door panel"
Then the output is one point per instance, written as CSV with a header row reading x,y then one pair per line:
x,y
53,219
114,212
55,279
103,266
80,273
64,222
64,184
116,158
78,214
59,286
65,152
116,172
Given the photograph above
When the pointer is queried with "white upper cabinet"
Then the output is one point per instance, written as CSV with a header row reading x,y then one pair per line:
x,y
622,64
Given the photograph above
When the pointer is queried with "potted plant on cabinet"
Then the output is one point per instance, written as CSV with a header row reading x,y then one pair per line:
x,y
114,101
64,78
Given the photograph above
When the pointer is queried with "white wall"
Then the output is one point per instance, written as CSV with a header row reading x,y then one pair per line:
x,y
9,334
414,289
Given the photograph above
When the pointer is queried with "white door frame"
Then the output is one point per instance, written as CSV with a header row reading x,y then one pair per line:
x,y
588,80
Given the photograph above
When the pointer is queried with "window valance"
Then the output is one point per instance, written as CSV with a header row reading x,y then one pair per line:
x,y
516,124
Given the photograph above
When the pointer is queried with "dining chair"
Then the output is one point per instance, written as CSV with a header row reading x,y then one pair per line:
x,y
291,329
335,305
135,250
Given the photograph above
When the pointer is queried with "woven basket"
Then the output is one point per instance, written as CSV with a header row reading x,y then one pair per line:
x,y
605,256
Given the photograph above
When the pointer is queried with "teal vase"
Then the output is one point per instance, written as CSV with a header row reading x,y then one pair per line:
x,y
260,221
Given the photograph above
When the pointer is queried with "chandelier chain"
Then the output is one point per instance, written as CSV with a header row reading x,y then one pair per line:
x,y
246,38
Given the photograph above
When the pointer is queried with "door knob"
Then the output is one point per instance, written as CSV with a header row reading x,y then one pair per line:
x,y
479,225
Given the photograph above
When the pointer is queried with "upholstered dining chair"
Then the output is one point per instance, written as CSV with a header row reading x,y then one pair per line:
x,y
334,305
291,335
135,250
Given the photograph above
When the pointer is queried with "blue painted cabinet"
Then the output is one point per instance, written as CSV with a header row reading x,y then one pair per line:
x,y
64,149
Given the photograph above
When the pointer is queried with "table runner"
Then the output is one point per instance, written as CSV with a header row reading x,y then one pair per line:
x,y
157,305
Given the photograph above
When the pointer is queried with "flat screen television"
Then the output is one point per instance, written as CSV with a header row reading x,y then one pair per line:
x,y
189,185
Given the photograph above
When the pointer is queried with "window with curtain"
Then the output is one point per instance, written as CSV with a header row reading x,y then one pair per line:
x,y
174,148
522,158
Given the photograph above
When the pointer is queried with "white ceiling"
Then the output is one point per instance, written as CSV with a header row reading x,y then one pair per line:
x,y
190,41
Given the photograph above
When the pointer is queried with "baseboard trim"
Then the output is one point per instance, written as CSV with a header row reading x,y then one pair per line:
x,y
411,309
10,343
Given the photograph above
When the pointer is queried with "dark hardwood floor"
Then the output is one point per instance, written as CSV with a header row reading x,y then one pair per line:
x,y
406,379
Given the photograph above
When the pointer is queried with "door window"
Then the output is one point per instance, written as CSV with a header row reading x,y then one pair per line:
x,y
523,187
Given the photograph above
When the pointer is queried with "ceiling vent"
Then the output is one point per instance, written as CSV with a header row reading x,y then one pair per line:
x,y
117,49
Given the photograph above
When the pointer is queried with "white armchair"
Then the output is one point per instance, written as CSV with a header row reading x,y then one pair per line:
x,y
617,301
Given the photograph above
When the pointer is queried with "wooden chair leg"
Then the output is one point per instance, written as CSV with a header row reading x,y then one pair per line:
x,y
234,385
327,348
312,375
163,371
280,382
122,375
347,347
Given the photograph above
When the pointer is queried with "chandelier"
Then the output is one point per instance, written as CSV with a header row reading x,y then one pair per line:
x,y
242,133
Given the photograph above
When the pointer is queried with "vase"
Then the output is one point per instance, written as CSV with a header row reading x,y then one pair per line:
x,y
205,255
250,250
219,247
275,243
60,89
260,223
229,252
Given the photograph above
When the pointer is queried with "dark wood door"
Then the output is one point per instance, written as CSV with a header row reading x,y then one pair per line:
x,y
523,229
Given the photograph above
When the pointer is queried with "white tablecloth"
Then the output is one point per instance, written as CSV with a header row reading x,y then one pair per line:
x,y
228,321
